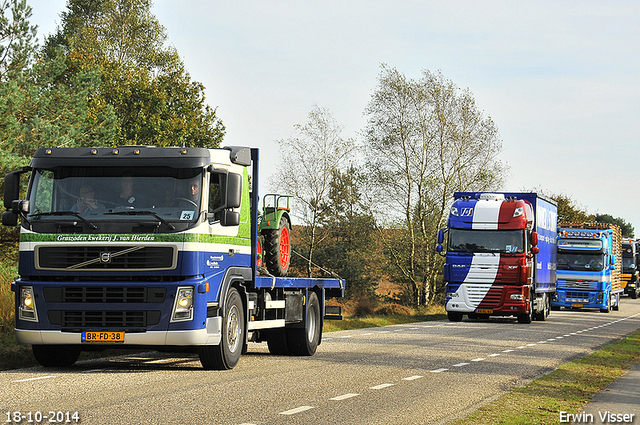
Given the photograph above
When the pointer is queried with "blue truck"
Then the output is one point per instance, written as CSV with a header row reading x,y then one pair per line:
x,y
589,266
500,255
161,248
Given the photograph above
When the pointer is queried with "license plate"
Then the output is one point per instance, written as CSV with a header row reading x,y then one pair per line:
x,y
484,311
577,305
102,336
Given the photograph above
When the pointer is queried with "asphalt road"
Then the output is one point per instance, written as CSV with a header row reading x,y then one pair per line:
x,y
420,373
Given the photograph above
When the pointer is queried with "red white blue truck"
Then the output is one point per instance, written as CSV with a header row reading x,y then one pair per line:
x,y
500,255
589,266
148,247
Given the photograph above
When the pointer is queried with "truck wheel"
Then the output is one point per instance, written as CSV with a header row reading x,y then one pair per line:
x,y
616,307
454,316
227,353
542,315
526,318
56,355
277,249
304,341
634,294
608,308
277,342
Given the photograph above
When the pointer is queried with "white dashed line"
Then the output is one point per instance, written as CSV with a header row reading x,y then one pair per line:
x,y
507,351
381,386
296,410
493,355
36,378
412,378
461,364
344,396
439,370
478,359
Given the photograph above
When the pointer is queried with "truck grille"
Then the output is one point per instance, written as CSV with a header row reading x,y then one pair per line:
x,y
583,285
489,297
104,319
104,294
93,258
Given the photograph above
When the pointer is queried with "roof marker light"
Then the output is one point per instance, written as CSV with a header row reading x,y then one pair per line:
x,y
94,151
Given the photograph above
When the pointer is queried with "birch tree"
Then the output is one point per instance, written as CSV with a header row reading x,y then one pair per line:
x,y
426,139
308,161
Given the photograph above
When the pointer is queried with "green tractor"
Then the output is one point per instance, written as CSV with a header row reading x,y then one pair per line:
x,y
274,234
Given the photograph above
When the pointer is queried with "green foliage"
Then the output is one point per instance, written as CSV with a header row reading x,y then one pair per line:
x,y
568,211
145,84
17,37
627,228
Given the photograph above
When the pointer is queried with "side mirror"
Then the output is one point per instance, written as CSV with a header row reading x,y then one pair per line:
x,y
535,250
9,218
229,218
439,248
534,239
11,188
234,190
440,238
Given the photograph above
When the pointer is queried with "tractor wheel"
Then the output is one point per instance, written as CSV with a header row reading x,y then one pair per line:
x,y
277,249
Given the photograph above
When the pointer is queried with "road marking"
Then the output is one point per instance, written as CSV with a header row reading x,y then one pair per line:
x,y
346,336
344,396
413,328
384,332
507,351
478,359
531,345
521,347
368,333
412,378
551,339
439,370
460,364
296,410
493,355
399,330
559,337
542,342
381,386
36,378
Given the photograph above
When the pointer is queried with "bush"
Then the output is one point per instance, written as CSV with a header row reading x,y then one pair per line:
x,y
393,309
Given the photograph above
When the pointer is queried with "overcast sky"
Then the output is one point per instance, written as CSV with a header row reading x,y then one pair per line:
x,y
559,78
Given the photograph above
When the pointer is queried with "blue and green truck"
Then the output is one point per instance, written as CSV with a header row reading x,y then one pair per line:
x,y
157,247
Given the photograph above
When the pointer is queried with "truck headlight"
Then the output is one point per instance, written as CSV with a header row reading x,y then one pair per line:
x,y
183,306
452,295
27,307
517,297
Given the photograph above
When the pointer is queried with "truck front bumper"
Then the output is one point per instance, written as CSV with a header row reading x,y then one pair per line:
x,y
211,335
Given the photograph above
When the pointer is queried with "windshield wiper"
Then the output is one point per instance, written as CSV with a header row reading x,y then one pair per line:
x,y
73,213
143,212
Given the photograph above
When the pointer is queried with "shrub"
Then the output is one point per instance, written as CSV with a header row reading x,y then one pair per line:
x,y
393,309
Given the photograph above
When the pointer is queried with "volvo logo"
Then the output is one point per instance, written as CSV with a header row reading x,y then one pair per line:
x,y
105,257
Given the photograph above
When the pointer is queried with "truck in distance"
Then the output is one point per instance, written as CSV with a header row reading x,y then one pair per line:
x,y
500,255
589,266
630,268
149,247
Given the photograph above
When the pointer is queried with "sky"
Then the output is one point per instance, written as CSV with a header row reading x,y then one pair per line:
x,y
560,79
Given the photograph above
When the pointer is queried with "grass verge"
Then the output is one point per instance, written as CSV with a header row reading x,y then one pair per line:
x,y
567,389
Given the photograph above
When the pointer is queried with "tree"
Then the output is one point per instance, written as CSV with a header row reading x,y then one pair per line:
x,y
425,139
145,83
627,228
308,161
568,211
17,37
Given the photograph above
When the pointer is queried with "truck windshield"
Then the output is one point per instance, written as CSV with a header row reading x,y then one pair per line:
x,y
628,263
118,194
580,261
496,241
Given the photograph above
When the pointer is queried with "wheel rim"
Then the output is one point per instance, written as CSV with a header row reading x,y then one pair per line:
x,y
311,323
233,329
285,248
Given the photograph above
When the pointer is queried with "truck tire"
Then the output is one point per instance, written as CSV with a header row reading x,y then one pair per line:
x,y
277,249
542,315
616,305
526,318
454,316
277,341
226,355
634,293
56,355
305,341
607,309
